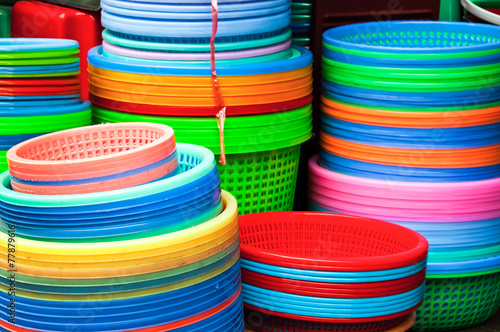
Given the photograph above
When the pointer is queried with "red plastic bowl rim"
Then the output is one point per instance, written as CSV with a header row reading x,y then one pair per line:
x,y
354,264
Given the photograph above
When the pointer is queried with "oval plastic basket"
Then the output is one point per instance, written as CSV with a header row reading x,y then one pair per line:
x,y
285,239
92,151
428,43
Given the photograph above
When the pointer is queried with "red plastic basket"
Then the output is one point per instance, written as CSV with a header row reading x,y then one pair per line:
x,y
337,290
329,242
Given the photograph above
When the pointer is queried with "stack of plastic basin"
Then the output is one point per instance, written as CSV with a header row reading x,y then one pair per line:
x,y
301,22
39,92
410,135
157,256
39,19
482,10
154,65
322,272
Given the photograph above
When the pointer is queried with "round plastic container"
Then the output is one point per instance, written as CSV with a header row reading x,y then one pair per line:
x,y
401,118
333,290
402,43
152,77
300,58
149,27
187,111
330,307
116,39
262,175
402,190
294,250
242,134
93,151
151,55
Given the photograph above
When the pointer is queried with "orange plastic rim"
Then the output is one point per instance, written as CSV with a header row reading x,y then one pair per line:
x,y
204,91
200,81
199,101
386,118
458,158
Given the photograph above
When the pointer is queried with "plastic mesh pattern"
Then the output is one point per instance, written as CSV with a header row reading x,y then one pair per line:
x,y
262,181
90,145
423,38
170,40
457,303
323,240
259,322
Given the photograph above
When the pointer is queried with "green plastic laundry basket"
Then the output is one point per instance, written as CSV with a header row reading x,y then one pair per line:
x,y
454,303
262,181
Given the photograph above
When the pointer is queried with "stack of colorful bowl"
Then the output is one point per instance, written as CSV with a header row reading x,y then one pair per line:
x,y
154,65
301,22
324,272
410,135
158,256
39,92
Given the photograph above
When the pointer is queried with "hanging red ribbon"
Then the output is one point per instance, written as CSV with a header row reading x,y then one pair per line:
x,y
219,99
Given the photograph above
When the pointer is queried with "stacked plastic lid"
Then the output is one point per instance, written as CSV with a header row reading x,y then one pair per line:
x,y
301,22
158,256
161,72
409,135
39,90
334,272
483,10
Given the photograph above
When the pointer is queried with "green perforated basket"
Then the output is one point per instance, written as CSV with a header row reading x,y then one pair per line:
x,y
262,181
262,152
456,303
3,161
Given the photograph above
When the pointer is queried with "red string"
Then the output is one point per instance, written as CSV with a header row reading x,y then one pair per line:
x,y
219,99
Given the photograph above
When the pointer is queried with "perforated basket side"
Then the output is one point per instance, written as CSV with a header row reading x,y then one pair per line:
x,y
3,161
90,145
260,322
456,303
262,181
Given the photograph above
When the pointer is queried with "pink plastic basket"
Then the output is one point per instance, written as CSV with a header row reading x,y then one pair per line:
x,y
100,154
